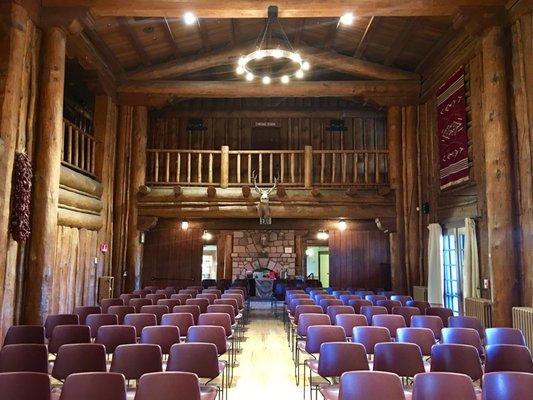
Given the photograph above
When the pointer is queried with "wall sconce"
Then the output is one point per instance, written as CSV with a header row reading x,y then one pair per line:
x,y
184,225
322,235
342,225
207,236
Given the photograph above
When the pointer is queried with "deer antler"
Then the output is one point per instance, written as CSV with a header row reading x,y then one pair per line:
x,y
254,180
273,187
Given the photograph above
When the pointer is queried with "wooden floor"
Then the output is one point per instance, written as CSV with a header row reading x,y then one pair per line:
x,y
266,369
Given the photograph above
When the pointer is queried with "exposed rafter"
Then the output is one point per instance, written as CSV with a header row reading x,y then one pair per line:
x,y
134,40
204,35
361,46
102,48
169,35
257,8
401,41
330,36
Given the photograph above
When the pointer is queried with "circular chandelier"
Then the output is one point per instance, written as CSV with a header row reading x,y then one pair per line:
x,y
274,57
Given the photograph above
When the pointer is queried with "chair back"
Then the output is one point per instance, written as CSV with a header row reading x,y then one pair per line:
x,y
507,386
25,386
375,385
29,357
508,357
76,358
94,385
458,358
443,386
337,358
135,360
369,336
24,334
403,359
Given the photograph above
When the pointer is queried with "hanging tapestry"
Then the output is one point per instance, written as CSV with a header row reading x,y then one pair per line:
x,y
451,130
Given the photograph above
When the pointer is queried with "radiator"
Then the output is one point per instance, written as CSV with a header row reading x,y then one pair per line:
x,y
420,293
523,320
480,308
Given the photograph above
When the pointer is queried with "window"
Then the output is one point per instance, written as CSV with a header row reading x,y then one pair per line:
x,y
453,244
209,262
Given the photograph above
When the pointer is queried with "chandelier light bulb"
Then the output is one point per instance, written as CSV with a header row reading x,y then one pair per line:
x,y
189,18
347,19
277,53
249,76
306,66
285,79
266,80
240,70
342,225
259,55
296,58
299,74
242,61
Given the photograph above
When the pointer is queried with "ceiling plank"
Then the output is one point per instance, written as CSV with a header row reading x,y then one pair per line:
x,y
378,92
103,48
401,40
169,35
258,8
361,47
204,35
128,30
234,31
316,57
330,36
299,32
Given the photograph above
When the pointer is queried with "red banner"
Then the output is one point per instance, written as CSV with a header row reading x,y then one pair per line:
x,y
451,130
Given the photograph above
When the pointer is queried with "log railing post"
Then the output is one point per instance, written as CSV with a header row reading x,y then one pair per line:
x,y
308,167
47,169
499,179
224,167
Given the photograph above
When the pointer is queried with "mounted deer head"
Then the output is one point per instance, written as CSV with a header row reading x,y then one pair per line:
x,y
264,193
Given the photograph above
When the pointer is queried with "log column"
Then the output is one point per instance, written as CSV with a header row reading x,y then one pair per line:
x,y
47,171
396,239
137,178
499,186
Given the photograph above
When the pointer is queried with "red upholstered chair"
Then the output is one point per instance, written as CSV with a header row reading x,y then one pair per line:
x,y
403,359
191,292
391,322
223,308
200,359
432,322
213,291
306,309
76,358
24,334
135,360
370,311
423,337
388,304
237,296
365,385
106,303
154,297
157,310
401,298
504,336
325,303
442,312
189,309
507,386
59,319
173,386
121,312
94,385
142,292
139,303
467,322
335,359
25,386
358,304
24,358
126,297
299,302
406,312
181,297
369,336
163,336
112,336
83,311
183,321
139,321
211,297
508,357
170,303
443,386
202,303
95,321
333,311
458,358
421,305
463,336
349,321
209,334
66,334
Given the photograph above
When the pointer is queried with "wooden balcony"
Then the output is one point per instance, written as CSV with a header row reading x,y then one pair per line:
x,y
79,149
305,168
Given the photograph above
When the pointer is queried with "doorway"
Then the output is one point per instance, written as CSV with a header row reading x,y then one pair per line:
x,y
209,262
317,263
323,267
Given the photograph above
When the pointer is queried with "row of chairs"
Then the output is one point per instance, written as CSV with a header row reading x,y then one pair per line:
x,y
105,386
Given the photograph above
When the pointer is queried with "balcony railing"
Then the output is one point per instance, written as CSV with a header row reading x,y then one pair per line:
x,y
294,168
79,149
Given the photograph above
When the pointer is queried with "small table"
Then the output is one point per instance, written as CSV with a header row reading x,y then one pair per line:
x,y
264,288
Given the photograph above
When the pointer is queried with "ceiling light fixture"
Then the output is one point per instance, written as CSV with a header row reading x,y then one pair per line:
x,y
322,235
207,236
189,18
184,225
347,18
342,225
274,57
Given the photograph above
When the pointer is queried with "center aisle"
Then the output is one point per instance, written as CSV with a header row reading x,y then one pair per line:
x,y
266,369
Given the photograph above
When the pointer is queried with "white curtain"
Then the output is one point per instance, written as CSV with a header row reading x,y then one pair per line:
x,y
471,261
435,274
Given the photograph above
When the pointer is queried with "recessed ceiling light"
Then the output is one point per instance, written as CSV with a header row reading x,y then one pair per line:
x,y
347,19
189,18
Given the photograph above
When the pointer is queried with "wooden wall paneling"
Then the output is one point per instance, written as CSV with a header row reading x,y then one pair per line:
x,y
523,110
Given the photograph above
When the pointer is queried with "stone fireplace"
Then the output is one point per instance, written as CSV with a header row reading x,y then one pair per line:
x,y
257,249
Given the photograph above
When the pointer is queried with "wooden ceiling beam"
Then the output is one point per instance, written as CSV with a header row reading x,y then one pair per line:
x,y
128,30
169,36
401,41
323,58
376,92
258,8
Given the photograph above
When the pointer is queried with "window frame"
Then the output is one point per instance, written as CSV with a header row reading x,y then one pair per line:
x,y
453,247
